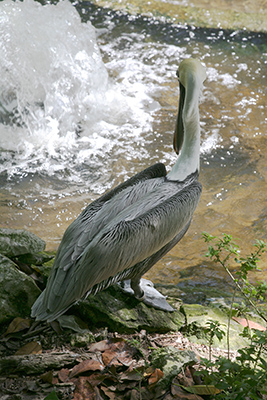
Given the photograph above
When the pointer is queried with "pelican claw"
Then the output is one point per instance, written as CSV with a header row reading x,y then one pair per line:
x,y
152,297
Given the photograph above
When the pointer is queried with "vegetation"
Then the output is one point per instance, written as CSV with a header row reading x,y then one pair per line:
x,y
245,377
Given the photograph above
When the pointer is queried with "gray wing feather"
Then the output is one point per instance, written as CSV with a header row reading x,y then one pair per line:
x,y
125,244
82,230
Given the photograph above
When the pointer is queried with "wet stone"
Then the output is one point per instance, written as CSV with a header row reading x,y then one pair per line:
x,y
17,291
14,242
124,314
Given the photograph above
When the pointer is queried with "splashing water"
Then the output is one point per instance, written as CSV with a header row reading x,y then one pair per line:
x,y
58,108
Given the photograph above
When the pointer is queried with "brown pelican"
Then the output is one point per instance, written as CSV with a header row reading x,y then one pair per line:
x,y
126,231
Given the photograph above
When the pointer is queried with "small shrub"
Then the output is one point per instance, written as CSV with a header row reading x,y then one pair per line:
x,y
246,377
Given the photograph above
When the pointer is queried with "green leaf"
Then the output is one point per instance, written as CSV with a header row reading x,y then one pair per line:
x,y
201,389
52,396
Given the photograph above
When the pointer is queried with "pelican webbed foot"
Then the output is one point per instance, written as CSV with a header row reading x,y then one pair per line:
x,y
143,290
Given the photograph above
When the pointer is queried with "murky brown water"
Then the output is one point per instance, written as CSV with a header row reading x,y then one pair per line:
x,y
234,142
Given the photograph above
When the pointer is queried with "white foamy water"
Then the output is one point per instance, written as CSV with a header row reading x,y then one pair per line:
x,y
58,106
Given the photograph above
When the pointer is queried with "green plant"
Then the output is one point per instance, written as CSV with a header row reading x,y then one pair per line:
x,y
237,380
213,330
221,252
246,377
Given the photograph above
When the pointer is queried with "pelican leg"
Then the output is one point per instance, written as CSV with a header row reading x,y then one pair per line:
x,y
133,288
136,286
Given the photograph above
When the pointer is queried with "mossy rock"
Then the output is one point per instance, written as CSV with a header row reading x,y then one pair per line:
x,y
14,242
197,317
171,361
124,314
17,291
36,259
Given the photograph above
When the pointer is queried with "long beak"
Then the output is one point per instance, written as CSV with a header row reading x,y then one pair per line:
x,y
178,137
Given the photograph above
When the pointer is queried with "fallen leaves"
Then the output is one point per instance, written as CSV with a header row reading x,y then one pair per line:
x,y
114,372
155,376
14,332
110,369
85,366
17,325
29,348
110,372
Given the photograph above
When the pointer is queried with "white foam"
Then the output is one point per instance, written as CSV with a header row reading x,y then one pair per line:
x,y
225,79
56,90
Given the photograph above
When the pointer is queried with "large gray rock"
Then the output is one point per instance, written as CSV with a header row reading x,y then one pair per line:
x,y
14,242
122,313
17,291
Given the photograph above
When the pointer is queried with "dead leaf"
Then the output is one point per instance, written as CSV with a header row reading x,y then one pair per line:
x,y
97,394
117,341
29,348
155,377
120,344
63,375
99,346
118,353
109,393
84,389
47,377
135,395
125,358
115,352
109,357
149,371
97,378
85,366
251,324
185,378
180,394
18,324
169,397
131,374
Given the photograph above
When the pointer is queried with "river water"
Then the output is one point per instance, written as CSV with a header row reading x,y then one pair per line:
x,y
89,97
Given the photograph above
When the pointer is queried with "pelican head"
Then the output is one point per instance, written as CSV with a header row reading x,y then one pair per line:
x,y
191,75
191,70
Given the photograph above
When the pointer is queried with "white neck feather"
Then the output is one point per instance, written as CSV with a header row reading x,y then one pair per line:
x,y
188,160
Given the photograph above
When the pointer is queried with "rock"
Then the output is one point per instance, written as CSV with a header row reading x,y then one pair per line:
x,y
124,314
35,259
14,242
202,303
200,13
171,361
17,291
197,317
